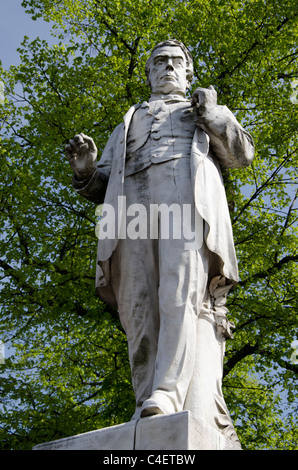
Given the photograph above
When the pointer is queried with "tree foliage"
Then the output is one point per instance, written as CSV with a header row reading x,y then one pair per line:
x,y
68,370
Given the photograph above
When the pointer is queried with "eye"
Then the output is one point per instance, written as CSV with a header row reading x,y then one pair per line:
x,y
179,62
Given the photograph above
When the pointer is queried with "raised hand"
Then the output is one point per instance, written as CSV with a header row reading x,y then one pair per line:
x,y
204,99
82,154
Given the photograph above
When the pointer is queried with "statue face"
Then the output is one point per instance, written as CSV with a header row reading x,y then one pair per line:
x,y
168,70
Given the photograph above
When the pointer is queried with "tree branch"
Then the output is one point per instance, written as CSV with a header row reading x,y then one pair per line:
x,y
246,350
272,270
258,42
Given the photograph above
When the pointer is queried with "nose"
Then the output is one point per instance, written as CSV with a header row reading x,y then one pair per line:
x,y
170,64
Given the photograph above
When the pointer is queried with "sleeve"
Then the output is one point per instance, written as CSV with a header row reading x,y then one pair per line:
x,y
231,144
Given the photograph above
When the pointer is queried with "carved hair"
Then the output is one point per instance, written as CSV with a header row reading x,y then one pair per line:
x,y
173,43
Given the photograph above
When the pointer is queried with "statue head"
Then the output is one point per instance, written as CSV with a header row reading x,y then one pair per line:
x,y
169,68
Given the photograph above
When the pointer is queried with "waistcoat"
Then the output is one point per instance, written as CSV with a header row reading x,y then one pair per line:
x,y
159,131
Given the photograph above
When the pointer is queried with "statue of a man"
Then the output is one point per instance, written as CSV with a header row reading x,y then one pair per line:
x,y
170,293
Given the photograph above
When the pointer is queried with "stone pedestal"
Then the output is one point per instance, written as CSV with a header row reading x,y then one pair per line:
x,y
179,431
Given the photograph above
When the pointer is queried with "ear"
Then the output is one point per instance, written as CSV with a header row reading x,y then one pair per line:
x,y
189,78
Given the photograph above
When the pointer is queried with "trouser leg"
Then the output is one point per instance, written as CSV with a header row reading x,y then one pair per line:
x,y
135,281
180,295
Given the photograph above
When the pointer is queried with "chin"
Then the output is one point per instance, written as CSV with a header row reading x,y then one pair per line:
x,y
172,91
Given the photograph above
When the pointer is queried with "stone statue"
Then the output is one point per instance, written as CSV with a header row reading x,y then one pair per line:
x,y
170,293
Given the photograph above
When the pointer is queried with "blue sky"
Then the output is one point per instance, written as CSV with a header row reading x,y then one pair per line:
x,y
14,25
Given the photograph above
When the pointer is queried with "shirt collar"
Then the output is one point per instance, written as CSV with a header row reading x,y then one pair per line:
x,y
170,97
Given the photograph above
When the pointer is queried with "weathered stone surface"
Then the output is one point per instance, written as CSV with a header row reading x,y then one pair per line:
x,y
177,431
120,437
169,285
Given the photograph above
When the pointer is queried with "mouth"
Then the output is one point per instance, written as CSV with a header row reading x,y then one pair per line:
x,y
169,77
